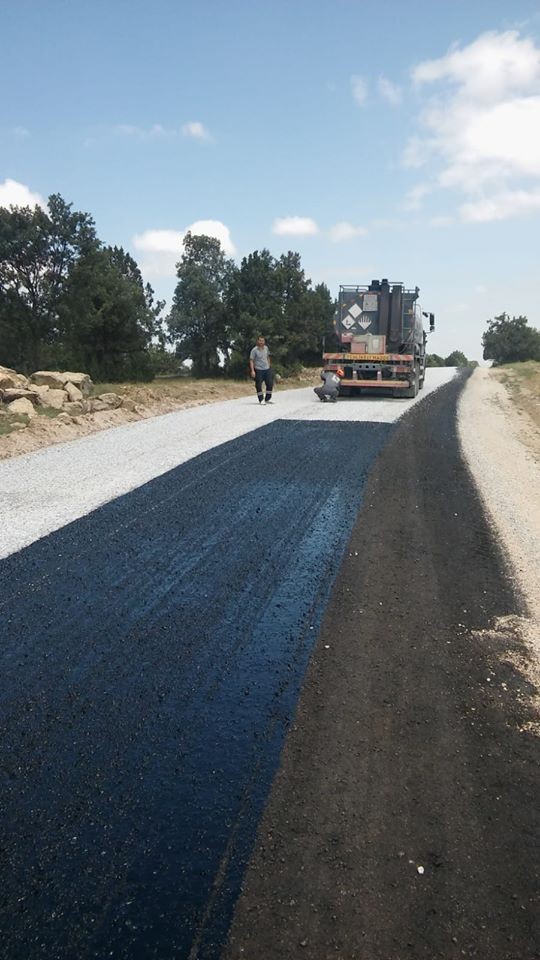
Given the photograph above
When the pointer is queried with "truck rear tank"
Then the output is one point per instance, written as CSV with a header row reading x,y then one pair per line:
x,y
381,338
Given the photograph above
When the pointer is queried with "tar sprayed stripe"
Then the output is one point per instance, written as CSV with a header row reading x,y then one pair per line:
x,y
152,653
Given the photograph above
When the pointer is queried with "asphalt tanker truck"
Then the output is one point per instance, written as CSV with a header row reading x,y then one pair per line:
x,y
381,341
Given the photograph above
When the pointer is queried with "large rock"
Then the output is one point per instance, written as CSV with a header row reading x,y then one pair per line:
x,y
48,378
22,406
18,393
80,380
10,379
111,400
58,379
97,405
74,408
41,393
73,392
56,399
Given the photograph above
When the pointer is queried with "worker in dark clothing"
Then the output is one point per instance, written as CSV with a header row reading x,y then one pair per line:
x,y
329,389
261,371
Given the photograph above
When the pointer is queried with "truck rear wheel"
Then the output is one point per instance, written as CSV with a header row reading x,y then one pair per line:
x,y
412,391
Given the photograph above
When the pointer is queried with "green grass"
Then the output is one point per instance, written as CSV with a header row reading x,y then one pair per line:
x,y
48,412
8,419
527,370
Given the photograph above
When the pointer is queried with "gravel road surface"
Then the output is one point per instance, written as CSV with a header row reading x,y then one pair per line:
x,y
45,490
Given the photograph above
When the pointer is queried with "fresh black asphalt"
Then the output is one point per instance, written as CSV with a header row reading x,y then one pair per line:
x,y
151,657
403,823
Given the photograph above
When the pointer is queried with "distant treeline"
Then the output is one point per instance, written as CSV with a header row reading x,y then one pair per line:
x,y
68,301
454,359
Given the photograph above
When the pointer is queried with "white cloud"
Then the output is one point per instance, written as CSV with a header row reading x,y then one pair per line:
x,y
345,231
493,67
294,227
21,133
196,130
481,126
17,194
359,90
389,91
416,153
217,229
415,196
156,131
442,221
501,206
162,249
160,241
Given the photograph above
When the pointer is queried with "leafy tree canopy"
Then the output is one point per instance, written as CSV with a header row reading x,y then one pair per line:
x,y
510,340
198,318
38,249
434,360
273,297
456,359
108,317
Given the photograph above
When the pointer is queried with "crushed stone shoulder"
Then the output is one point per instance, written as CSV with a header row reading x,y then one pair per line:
x,y
499,452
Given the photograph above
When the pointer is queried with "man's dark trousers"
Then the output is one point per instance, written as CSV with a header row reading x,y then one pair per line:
x,y
266,377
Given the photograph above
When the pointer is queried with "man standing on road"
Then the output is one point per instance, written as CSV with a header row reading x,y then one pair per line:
x,y
261,370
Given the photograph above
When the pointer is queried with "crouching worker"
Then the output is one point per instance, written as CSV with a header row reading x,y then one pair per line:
x,y
329,389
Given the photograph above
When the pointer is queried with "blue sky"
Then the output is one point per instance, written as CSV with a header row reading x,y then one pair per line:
x,y
376,138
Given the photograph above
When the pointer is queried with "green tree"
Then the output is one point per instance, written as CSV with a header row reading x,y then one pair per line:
x,y
434,360
254,306
38,250
456,359
108,318
274,297
164,362
198,318
307,314
510,340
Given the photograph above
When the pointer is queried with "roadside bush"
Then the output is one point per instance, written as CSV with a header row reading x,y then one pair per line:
x,y
510,340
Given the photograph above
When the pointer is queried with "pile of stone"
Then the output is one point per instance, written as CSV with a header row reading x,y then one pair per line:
x,y
67,392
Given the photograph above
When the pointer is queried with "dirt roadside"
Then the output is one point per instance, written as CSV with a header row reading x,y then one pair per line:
x,y
499,429
150,400
401,821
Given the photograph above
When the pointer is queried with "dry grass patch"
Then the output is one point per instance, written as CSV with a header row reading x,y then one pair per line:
x,y
522,380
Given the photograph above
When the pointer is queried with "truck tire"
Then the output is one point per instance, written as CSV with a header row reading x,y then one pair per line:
x,y
412,391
